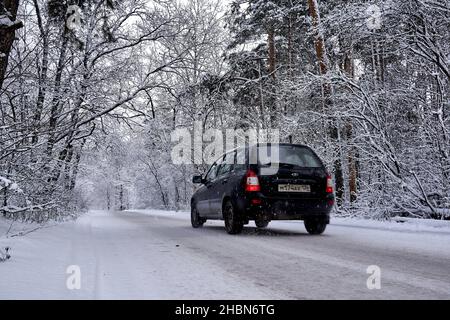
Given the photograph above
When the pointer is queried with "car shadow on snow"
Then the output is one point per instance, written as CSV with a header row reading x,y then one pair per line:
x,y
268,232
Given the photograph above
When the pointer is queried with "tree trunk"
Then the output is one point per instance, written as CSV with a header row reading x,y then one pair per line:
x,y
57,92
42,74
290,47
351,155
108,199
8,9
352,165
272,67
73,177
122,207
323,68
272,58
319,40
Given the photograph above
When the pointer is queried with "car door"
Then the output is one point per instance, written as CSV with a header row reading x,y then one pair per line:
x,y
219,188
235,175
204,193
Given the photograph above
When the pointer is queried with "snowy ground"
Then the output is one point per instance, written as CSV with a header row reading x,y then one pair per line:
x,y
157,255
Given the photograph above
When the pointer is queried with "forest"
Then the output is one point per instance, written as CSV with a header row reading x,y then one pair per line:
x,y
92,90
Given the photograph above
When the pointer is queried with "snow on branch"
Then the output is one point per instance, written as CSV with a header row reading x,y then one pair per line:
x,y
15,209
6,22
8,184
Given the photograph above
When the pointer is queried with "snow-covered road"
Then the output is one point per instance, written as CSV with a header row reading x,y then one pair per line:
x,y
157,255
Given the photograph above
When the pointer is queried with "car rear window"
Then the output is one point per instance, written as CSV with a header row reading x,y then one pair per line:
x,y
296,156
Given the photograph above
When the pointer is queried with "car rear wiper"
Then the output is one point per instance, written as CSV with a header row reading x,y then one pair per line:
x,y
288,165
279,165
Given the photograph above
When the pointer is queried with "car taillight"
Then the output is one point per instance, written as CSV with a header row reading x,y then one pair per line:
x,y
252,182
329,188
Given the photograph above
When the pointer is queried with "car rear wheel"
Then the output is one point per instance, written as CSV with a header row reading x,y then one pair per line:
x,y
261,224
315,226
233,224
196,220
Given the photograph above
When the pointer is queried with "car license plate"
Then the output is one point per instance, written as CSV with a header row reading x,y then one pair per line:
x,y
294,188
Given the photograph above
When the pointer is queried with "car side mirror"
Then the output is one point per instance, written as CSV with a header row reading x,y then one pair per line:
x,y
198,180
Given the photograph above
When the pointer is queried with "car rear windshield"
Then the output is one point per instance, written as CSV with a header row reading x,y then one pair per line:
x,y
288,156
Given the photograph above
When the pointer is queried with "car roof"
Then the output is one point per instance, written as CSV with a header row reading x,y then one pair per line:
x,y
282,144
265,143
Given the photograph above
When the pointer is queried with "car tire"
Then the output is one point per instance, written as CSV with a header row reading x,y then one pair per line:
x,y
315,226
196,220
261,224
233,225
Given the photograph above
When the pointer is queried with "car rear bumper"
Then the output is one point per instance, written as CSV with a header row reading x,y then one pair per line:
x,y
286,209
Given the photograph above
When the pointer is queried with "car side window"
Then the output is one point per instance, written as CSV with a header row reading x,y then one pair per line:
x,y
228,163
212,173
240,163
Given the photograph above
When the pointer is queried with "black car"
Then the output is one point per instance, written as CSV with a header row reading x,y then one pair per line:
x,y
265,182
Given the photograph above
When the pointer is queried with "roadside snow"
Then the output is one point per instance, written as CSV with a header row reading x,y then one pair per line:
x,y
397,224
11,229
